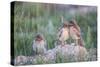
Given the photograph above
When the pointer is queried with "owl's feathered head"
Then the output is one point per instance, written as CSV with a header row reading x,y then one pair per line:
x,y
39,37
65,24
72,23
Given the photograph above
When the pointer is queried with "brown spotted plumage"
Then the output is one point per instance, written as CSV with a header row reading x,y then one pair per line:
x,y
63,33
75,32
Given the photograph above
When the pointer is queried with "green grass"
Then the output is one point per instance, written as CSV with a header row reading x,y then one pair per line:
x,y
30,19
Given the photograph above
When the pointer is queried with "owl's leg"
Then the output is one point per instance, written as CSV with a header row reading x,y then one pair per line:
x,y
65,43
76,42
70,40
62,42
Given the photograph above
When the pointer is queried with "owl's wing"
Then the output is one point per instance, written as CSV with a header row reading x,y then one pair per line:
x,y
76,26
75,31
45,44
34,45
60,32
34,48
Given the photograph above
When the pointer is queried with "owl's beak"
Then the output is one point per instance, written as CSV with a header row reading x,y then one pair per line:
x,y
38,39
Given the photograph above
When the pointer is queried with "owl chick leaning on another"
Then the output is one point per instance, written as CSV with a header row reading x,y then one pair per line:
x,y
75,33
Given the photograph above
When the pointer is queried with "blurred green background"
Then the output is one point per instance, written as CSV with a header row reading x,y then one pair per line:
x,y
44,18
